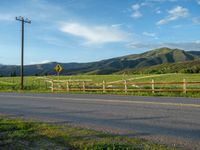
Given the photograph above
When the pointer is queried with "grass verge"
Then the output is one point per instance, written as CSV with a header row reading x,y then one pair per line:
x,y
20,134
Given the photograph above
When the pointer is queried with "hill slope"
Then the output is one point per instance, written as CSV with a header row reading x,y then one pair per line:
x,y
109,66
180,67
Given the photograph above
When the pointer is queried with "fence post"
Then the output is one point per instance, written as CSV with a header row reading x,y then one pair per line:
x,y
184,86
104,86
125,86
152,86
46,86
83,86
39,84
67,86
52,86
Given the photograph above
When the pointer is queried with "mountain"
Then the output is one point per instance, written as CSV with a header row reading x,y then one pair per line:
x,y
150,58
153,58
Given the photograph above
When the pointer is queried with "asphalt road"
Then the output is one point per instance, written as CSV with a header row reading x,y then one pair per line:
x,y
173,121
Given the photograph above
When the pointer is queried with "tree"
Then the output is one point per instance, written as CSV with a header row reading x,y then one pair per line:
x,y
13,74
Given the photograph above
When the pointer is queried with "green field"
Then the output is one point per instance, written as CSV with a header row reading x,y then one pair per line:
x,y
39,84
22,134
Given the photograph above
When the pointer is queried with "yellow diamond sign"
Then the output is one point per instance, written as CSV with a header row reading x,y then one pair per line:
x,y
58,68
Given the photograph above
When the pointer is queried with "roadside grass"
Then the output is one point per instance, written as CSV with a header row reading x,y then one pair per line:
x,y
20,134
38,85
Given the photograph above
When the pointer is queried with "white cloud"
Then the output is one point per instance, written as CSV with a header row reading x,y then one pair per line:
x,y
7,17
117,25
95,34
149,34
45,61
174,14
177,26
197,42
136,11
42,62
162,0
136,14
181,45
158,11
196,20
198,1
36,10
136,6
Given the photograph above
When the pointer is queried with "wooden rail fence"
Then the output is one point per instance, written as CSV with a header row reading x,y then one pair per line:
x,y
125,86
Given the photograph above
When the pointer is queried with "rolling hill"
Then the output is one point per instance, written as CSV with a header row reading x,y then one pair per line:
x,y
179,67
149,61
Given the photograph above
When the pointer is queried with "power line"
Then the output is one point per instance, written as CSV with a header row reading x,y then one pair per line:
x,y
20,18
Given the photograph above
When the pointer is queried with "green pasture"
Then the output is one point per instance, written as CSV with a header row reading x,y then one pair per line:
x,y
39,84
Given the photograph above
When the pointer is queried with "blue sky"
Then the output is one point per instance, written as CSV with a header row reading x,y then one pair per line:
x,y
92,30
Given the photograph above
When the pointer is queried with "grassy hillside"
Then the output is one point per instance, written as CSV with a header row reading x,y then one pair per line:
x,y
180,67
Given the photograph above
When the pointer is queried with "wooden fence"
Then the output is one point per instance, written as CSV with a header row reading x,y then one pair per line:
x,y
125,86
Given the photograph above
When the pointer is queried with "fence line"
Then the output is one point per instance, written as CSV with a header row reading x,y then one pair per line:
x,y
125,86
143,77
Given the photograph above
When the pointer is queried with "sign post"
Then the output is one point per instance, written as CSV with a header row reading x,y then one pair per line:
x,y
58,69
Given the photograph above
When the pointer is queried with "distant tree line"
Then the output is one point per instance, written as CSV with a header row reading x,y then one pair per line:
x,y
195,69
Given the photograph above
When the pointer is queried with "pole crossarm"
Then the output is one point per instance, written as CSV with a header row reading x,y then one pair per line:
x,y
20,18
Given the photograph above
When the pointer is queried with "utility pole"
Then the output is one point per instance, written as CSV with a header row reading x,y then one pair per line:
x,y
22,48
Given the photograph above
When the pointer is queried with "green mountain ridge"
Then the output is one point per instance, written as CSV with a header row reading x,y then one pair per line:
x,y
135,63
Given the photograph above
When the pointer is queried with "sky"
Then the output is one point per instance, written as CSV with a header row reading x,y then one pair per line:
x,y
92,30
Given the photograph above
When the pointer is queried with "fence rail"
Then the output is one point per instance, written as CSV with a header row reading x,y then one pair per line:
x,y
124,86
